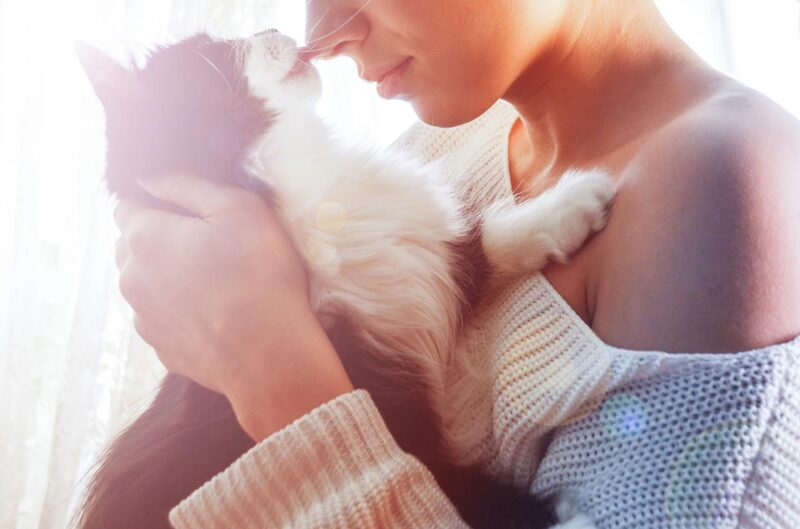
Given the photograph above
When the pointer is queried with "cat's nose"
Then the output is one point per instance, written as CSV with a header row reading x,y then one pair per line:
x,y
269,31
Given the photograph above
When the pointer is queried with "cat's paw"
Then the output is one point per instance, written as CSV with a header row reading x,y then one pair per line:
x,y
581,202
520,238
587,195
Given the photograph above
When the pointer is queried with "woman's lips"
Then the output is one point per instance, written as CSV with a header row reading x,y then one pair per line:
x,y
389,83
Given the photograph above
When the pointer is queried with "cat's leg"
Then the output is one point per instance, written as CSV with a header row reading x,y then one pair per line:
x,y
520,238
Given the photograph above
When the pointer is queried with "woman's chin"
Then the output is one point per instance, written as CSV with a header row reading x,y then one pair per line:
x,y
443,114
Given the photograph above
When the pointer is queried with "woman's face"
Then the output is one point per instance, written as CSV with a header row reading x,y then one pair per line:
x,y
456,57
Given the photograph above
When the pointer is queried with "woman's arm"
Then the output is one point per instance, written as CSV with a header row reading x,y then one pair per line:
x,y
337,466
318,376
709,245
223,299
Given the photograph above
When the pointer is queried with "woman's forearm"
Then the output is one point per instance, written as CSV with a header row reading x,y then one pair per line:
x,y
337,466
319,377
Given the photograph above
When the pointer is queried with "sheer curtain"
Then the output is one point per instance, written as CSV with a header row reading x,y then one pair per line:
x,y
72,370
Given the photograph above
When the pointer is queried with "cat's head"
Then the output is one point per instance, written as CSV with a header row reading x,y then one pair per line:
x,y
196,106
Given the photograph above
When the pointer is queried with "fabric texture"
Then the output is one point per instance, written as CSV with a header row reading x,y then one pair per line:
x,y
635,439
301,477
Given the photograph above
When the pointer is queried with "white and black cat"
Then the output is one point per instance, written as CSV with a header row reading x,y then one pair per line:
x,y
395,258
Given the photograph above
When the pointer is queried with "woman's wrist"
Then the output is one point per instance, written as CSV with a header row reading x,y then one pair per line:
x,y
313,376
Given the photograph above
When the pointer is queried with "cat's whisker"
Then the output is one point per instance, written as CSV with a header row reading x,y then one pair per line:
x,y
321,18
217,70
340,26
240,50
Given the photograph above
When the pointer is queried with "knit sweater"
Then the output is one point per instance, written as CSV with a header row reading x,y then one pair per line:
x,y
635,439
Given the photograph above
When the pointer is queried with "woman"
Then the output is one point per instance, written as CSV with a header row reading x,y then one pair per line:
x,y
602,394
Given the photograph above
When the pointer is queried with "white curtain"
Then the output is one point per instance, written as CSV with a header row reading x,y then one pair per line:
x,y
72,370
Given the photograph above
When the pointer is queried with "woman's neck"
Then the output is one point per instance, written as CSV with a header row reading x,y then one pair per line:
x,y
613,72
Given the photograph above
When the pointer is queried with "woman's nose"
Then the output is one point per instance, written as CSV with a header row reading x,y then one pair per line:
x,y
330,29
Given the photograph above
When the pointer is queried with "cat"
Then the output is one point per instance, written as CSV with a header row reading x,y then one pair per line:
x,y
396,260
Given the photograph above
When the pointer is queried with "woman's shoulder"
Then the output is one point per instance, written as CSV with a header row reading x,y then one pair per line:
x,y
709,204
735,120
733,125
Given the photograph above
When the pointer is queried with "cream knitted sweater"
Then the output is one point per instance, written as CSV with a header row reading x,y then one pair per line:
x,y
636,439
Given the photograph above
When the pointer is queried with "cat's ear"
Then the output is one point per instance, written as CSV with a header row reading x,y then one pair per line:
x,y
109,78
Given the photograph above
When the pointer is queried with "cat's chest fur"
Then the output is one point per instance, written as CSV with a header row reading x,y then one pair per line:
x,y
386,238
376,230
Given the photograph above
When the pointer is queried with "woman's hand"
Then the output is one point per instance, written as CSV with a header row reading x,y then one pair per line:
x,y
223,299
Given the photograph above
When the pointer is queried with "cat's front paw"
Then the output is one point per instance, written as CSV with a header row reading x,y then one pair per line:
x,y
582,201
520,238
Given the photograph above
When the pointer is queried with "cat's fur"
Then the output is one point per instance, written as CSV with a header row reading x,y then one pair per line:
x,y
395,260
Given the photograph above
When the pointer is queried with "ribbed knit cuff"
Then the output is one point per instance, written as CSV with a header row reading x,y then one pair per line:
x,y
337,466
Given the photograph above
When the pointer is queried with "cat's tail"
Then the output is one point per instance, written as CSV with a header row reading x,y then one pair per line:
x,y
186,436
189,434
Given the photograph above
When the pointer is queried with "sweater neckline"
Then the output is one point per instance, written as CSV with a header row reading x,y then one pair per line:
x,y
585,331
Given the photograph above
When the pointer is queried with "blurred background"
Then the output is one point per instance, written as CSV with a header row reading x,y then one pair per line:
x,y
72,369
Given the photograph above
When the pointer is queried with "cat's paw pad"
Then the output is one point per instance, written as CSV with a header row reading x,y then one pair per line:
x,y
584,201
587,195
522,237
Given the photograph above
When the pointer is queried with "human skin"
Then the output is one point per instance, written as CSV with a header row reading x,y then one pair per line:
x,y
595,82
701,246
223,299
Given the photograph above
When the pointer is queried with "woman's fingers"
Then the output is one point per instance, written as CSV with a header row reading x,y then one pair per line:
x,y
143,233
121,252
160,339
200,196
125,210
147,231
134,286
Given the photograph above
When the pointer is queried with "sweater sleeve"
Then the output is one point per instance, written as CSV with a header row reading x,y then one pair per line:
x,y
336,466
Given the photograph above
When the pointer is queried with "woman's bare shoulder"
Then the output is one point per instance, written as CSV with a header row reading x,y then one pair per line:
x,y
734,121
704,236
